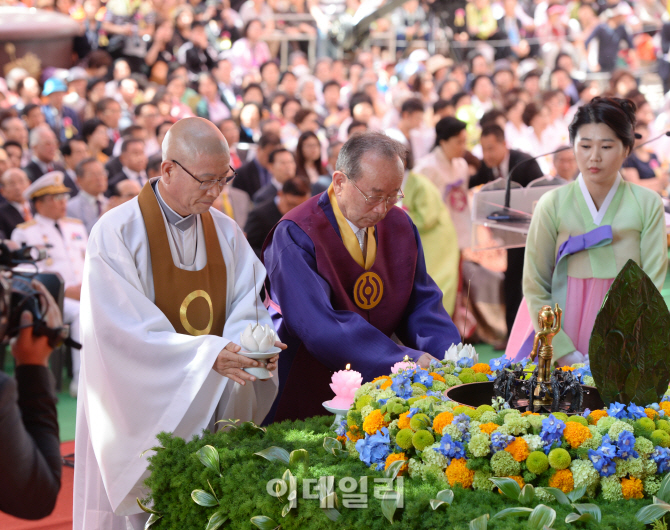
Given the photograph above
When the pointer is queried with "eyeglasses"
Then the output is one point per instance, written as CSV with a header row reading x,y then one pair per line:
x,y
209,184
376,200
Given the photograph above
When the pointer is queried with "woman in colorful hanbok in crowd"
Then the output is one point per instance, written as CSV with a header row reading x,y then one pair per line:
x,y
583,233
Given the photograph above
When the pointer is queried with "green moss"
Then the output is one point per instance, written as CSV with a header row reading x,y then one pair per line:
x,y
466,378
481,378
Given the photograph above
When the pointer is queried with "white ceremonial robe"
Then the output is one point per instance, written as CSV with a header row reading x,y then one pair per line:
x,y
139,377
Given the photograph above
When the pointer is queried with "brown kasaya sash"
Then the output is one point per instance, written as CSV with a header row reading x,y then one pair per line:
x,y
193,301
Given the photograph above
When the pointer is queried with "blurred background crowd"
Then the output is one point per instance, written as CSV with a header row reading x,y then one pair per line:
x,y
467,86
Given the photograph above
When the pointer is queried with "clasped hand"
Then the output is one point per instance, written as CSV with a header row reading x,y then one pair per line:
x,y
229,363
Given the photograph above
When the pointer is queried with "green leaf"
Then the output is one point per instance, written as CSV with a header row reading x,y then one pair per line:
x,y
216,520
561,497
442,497
519,510
331,500
341,453
630,341
275,454
589,509
299,456
577,494
330,444
394,468
575,517
481,523
651,513
527,494
203,498
254,426
264,523
209,457
389,504
541,516
146,509
664,491
508,486
332,514
286,509
152,519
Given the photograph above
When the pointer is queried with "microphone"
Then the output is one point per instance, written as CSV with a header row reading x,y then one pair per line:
x,y
638,136
506,215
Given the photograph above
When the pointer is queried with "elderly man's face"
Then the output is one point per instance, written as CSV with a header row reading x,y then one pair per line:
x,y
14,183
283,166
565,164
380,177
14,154
45,149
15,129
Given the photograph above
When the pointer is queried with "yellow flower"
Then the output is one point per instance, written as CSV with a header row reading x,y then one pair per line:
x,y
632,488
576,433
482,368
518,449
403,421
393,457
437,377
488,428
562,480
374,422
441,421
651,414
596,415
458,473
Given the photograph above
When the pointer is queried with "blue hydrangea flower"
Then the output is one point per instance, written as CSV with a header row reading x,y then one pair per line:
x,y
603,465
465,362
402,386
499,441
423,377
655,406
382,401
462,422
635,412
625,445
374,449
451,448
491,377
499,363
342,428
606,448
662,458
552,430
436,394
617,410
665,398
586,413
524,362
458,370
412,411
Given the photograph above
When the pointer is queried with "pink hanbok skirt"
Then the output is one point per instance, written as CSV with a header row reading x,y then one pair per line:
x,y
583,301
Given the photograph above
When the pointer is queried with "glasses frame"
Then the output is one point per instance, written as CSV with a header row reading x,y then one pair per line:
x,y
209,184
378,198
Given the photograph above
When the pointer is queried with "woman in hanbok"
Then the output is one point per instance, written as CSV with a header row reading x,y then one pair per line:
x,y
583,233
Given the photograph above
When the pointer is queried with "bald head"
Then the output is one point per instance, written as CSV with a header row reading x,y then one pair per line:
x,y
192,138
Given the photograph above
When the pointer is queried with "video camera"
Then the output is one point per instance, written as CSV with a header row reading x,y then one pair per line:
x,y
18,295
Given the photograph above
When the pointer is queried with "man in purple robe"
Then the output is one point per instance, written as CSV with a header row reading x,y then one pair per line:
x,y
348,269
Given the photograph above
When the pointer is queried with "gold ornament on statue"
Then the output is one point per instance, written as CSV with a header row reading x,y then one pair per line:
x,y
29,62
549,321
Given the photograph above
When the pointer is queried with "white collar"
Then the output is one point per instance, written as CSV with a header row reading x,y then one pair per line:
x,y
353,226
90,198
598,215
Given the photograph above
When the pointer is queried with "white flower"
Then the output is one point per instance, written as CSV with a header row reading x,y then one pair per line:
x,y
258,338
459,351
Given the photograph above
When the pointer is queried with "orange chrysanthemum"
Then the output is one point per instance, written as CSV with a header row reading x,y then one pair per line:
x,y
563,480
374,422
482,368
403,421
441,421
665,405
596,415
386,381
576,433
437,377
458,473
342,439
651,414
632,488
353,434
488,428
519,480
567,368
518,449
529,413
394,457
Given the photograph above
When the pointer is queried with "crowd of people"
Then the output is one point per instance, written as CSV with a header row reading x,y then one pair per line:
x,y
501,85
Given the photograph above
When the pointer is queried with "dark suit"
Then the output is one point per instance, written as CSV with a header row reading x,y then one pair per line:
x,y
9,218
248,178
524,174
113,166
34,171
259,223
30,460
266,193
115,180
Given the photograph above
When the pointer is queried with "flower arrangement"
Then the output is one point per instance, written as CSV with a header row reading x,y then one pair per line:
x,y
622,452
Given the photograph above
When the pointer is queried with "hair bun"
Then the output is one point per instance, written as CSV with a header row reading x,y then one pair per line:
x,y
628,106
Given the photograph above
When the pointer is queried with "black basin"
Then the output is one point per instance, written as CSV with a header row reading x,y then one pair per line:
x,y
476,394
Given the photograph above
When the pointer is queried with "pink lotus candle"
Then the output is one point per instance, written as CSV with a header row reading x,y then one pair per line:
x,y
344,384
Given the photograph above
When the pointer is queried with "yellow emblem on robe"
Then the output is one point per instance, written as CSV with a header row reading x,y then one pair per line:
x,y
184,308
368,290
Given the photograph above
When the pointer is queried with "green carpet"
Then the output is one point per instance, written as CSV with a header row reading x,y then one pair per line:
x,y
67,405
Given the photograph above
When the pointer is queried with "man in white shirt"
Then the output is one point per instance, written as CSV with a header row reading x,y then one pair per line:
x,y
90,203
168,290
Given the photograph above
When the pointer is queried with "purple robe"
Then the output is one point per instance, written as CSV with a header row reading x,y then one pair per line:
x,y
311,277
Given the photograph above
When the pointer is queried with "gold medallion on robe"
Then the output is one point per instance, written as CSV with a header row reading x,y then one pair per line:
x,y
368,290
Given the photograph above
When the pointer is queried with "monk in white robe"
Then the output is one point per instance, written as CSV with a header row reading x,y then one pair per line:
x,y
168,289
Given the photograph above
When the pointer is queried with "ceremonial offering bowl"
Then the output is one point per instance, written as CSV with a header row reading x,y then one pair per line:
x,y
339,413
261,372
